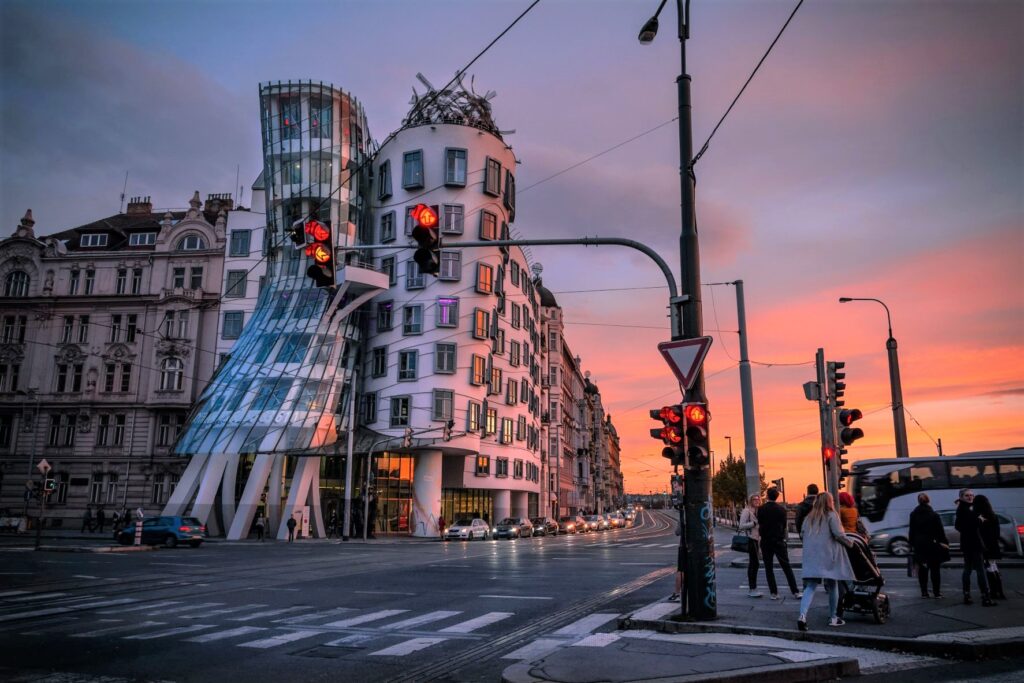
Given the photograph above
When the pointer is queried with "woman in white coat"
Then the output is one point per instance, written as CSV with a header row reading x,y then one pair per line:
x,y
748,525
824,558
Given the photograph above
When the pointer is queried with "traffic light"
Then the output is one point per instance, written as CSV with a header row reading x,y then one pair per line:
x,y
49,486
446,433
407,438
836,386
425,232
320,248
698,443
297,232
847,434
671,432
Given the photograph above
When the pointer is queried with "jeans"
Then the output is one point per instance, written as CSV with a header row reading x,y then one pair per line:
x,y
778,550
973,561
753,565
831,587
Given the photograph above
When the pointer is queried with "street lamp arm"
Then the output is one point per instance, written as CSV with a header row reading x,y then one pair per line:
x,y
888,316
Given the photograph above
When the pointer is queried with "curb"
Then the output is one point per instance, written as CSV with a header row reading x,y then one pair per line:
x,y
101,549
743,563
1003,647
827,670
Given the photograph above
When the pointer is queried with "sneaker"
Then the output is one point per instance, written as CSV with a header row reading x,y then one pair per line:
x,y
674,597
801,624
836,621
924,594
774,596
798,594
754,594
938,595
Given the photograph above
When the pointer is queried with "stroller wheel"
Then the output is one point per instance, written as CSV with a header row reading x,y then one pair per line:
x,y
880,609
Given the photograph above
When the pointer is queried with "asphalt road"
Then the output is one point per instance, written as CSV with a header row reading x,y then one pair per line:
x,y
323,610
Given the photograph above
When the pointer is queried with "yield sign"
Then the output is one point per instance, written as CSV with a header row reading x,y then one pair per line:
x,y
43,466
685,357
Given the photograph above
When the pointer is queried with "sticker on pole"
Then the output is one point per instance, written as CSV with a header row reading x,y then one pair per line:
x,y
685,357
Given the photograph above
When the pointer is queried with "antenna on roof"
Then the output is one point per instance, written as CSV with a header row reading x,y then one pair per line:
x,y
120,209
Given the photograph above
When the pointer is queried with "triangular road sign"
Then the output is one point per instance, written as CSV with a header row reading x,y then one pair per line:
x,y
685,357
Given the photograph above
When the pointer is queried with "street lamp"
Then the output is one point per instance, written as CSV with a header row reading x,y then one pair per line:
x,y
898,421
729,439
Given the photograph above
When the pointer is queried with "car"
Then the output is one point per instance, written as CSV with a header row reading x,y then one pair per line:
x,y
617,520
514,527
596,523
567,524
544,526
165,530
895,540
581,524
468,529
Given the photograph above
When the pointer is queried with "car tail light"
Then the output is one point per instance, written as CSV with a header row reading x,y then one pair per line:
x,y
184,528
1020,529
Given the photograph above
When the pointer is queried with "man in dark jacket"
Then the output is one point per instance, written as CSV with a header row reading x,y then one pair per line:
x,y
969,526
931,548
771,520
804,508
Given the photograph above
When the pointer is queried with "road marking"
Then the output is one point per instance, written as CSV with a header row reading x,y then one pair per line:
x,y
670,545
180,564
62,610
279,639
536,649
226,610
221,635
362,619
139,608
9,593
407,647
37,596
643,564
597,640
269,613
417,621
517,597
584,626
115,629
382,593
306,618
655,611
353,640
83,576
170,632
184,608
477,623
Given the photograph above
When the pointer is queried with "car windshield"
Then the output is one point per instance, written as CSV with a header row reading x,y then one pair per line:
x,y
537,520
566,519
464,522
593,518
508,520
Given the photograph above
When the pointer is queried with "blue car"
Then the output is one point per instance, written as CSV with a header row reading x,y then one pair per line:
x,y
168,531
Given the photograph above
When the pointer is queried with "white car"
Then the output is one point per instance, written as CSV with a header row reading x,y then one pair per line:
x,y
468,530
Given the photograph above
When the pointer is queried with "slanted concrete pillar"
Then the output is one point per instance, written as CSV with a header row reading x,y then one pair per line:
x,y
426,494
501,499
520,504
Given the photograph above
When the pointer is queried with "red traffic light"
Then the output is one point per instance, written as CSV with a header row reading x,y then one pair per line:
x,y
670,414
424,215
318,231
827,452
695,414
848,417
320,253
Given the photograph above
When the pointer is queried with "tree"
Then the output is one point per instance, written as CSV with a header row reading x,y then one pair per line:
x,y
729,486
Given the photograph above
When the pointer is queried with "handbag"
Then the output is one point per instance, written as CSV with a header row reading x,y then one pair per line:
x,y
740,542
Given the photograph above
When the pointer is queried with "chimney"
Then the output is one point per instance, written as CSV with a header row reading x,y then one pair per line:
x,y
216,202
139,205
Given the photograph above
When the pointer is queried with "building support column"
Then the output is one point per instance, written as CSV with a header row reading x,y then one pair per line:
x,y
252,497
501,499
426,494
305,490
520,504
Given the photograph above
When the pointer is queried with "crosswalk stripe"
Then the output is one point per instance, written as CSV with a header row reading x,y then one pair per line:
x,y
225,610
269,613
363,618
9,593
221,635
139,608
306,618
115,629
37,596
477,623
584,626
597,640
184,608
535,649
281,639
352,640
417,621
407,647
63,610
170,632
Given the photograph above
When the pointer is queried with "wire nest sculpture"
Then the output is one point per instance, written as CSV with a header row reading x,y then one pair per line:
x,y
456,105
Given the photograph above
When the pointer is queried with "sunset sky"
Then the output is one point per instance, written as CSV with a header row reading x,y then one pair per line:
x,y
879,152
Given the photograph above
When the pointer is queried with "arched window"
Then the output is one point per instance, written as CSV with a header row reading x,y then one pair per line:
x,y
16,283
192,242
171,374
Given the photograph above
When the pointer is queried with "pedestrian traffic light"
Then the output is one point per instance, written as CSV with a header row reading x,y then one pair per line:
x,y
671,432
320,249
425,232
836,386
407,438
447,431
847,434
698,443
297,232
49,486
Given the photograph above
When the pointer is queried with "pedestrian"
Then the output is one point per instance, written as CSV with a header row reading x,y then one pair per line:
x,y
772,526
115,520
140,514
332,525
87,521
357,517
440,526
261,524
848,514
825,560
972,547
930,545
804,507
682,556
991,545
101,519
748,525
371,519
291,528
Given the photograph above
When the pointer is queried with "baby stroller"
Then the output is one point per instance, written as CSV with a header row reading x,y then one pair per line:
x,y
864,595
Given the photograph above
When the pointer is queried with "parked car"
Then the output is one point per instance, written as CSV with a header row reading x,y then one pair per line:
x,y
544,526
468,529
168,531
567,524
514,527
895,540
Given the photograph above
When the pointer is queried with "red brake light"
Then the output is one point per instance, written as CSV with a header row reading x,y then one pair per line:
x,y
184,528
1020,529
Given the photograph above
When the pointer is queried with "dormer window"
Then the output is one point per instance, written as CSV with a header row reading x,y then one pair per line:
x,y
192,242
95,239
142,239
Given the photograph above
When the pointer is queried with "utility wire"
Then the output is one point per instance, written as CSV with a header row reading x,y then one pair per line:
x,y
920,426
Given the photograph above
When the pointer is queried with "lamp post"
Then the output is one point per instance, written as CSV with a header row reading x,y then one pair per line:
x,y
729,439
29,428
898,421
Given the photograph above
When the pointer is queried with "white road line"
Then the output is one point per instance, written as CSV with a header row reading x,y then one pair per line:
x,y
221,635
597,640
269,613
281,639
517,597
632,545
584,626
170,632
306,618
114,629
670,545
62,610
184,608
226,610
477,623
9,593
382,593
655,611
644,564
363,618
139,608
535,649
418,621
407,647
37,596
353,640
84,576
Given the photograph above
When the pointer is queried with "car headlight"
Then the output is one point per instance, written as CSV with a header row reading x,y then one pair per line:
x,y
881,536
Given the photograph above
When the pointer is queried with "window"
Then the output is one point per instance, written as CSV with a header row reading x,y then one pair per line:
x,y
368,408
488,226
195,279
516,315
414,279
83,328
122,281
191,242
320,171
492,422
445,358
172,373
236,284
90,281
478,371
443,404
291,172
512,393
136,280
14,328
484,278
513,353
510,195
976,474
384,318
69,377
65,334
481,323
6,427
379,361
451,266
506,436
499,340
384,180
93,240
16,283
513,273
517,468
501,467
182,330
496,381
552,341
492,177
412,319
452,219
412,169
320,111
387,227
239,245
9,377
108,376
455,164
306,303
483,465
294,348
473,417
387,265
521,428
72,284
407,361
142,239
447,312
130,330
178,278
232,324
62,430
291,115
400,411
126,377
